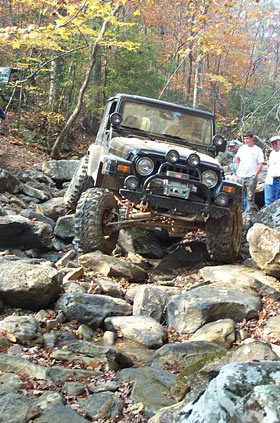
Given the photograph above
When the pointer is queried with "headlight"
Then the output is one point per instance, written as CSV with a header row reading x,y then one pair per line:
x,y
172,156
222,199
193,160
145,166
131,182
209,178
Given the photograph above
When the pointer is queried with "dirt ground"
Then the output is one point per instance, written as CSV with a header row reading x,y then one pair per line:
x,y
17,154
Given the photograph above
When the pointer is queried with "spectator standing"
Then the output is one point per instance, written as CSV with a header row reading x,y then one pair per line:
x,y
234,146
249,162
272,180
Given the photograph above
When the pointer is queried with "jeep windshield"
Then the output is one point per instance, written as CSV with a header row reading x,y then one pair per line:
x,y
155,120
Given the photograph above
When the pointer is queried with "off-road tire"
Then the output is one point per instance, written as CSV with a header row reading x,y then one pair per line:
x,y
80,182
96,207
223,235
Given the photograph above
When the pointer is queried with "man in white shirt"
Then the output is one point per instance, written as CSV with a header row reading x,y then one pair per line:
x,y
249,162
272,180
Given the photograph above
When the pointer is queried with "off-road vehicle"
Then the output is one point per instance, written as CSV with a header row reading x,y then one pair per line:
x,y
153,165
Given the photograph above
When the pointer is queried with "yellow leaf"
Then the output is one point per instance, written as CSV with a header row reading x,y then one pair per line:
x,y
93,364
11,337
137,13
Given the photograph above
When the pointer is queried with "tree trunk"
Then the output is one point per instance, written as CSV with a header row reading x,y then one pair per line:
x,y
65,131
197,80
55,77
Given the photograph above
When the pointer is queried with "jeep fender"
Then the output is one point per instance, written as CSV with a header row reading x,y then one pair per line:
x,y
96,153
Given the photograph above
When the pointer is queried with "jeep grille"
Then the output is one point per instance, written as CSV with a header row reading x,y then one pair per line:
x,y
193,174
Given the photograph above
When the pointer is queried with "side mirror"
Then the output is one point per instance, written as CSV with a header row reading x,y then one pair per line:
x,y
219,142
115,119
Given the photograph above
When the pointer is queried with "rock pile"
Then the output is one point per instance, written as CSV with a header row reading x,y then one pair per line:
x,y
158,338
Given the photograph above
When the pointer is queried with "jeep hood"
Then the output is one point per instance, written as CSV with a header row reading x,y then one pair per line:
x,y
122,146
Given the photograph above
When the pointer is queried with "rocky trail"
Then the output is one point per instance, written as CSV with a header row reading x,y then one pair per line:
x,y
156,332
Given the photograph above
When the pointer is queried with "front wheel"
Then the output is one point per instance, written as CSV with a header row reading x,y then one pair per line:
x,y
96,208
223,235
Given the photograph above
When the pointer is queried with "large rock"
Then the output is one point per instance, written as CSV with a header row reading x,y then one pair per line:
x,y
149,301
59,413
9,183
24,329
14,408
239,276
110,358
182,354
107,404
20,232
271,329
191,310
112,266
146,242
221,332
92,309
64,227
140,329
270,216
151,387
53,208
242,392
60,170
29,286
264,247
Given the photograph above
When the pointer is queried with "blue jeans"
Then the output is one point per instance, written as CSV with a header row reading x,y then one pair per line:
x,y
272,192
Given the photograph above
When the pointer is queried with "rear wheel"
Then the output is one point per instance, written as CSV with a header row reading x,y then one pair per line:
x,y
223,235
80,182
96,208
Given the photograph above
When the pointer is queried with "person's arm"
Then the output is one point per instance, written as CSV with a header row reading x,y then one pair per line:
x,y
259,168
260,163
237,162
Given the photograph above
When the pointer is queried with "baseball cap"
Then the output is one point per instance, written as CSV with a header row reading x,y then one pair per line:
x,y
275,138
234,142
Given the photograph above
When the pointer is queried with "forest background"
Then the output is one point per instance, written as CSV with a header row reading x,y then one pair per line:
x,y
70,56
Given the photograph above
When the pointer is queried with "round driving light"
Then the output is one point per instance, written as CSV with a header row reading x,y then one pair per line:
x,y
209,178
218,140
222,199
193,160
172,156
116,118
145,166
131,182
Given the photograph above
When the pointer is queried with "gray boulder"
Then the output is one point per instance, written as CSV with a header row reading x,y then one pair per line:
x,y
29,286
242,392
20,232
9,183
105,404
60,170
149,301
24,329
269,216
53,208
92,309
140,329
151,387
112,266
191,310
182,354
264,247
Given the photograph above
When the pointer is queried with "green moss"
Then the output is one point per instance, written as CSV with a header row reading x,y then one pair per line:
x,y
186,379
80,300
